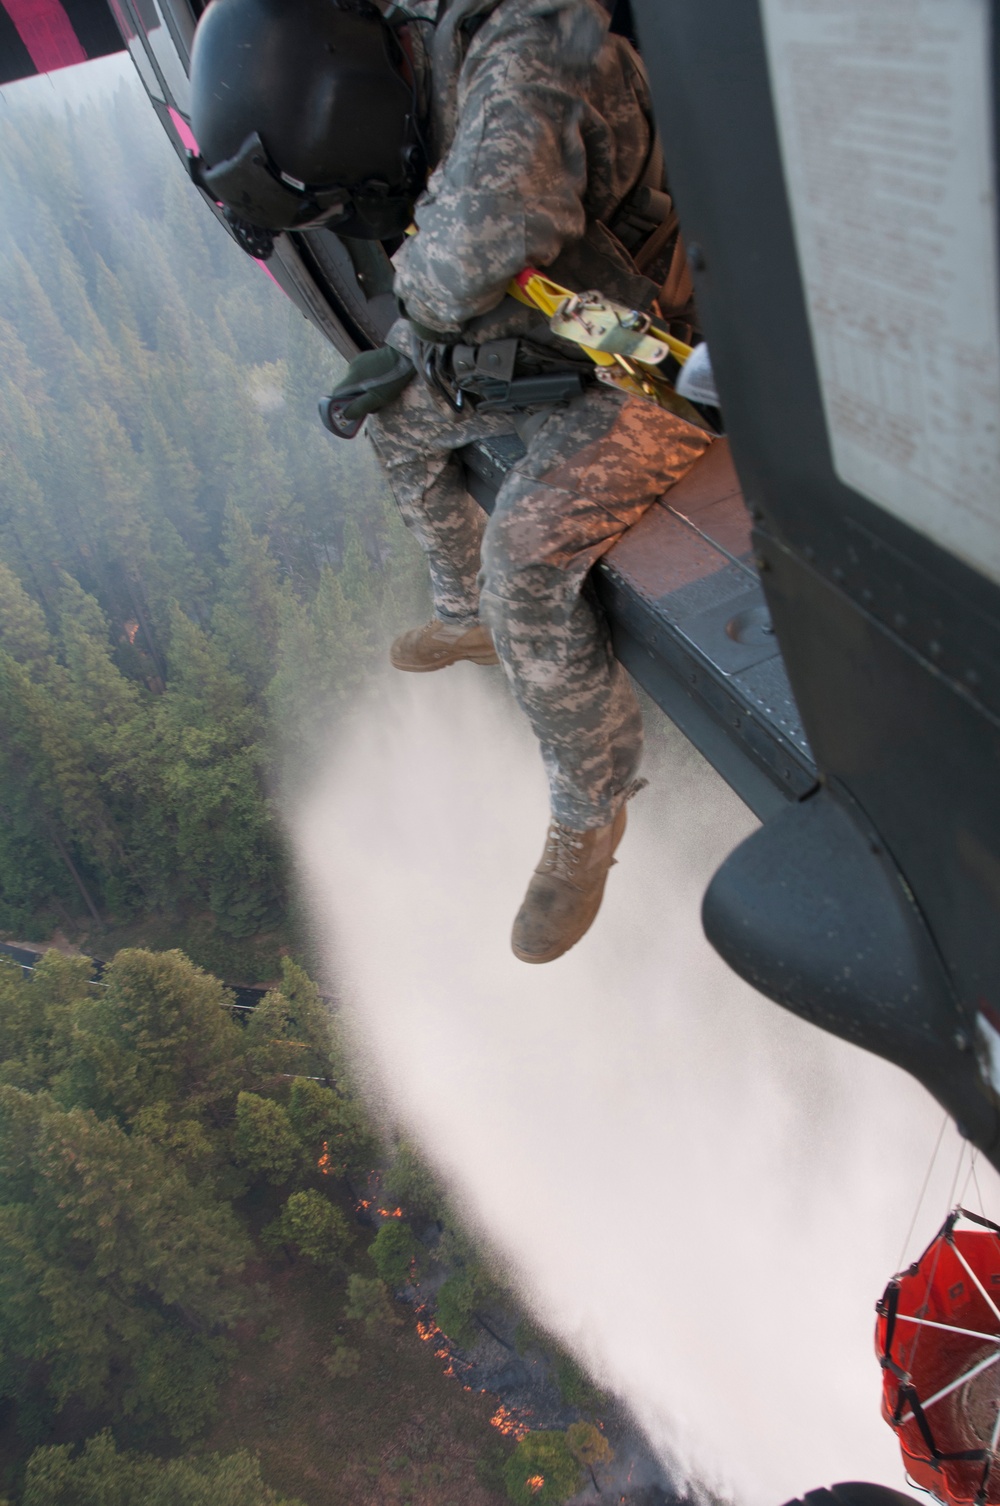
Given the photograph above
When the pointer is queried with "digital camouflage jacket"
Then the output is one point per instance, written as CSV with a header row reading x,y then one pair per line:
x,y
541,126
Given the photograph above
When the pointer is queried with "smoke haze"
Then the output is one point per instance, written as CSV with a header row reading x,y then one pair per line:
x,y
70,87
700,1195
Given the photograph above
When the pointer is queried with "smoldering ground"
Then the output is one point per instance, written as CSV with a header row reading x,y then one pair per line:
x,y
700,1195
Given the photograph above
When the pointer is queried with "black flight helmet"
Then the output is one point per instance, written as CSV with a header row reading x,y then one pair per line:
x,y
304,115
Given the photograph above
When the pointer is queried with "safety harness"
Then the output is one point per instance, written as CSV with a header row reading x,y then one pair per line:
x,y
620,347
630,350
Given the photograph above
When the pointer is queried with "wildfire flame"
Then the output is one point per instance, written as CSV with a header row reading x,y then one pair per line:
x,y
131,629
326,1163
535,1483
510,1426
428,1332
390,1212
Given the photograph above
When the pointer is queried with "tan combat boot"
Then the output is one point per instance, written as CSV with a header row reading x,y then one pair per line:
x,y
438,644
566,890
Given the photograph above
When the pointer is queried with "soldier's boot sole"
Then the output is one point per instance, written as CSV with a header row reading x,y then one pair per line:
x,y
434,646
564,897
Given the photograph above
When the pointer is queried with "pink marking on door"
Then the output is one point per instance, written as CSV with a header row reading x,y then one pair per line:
x,y
183,130
47,33
186,134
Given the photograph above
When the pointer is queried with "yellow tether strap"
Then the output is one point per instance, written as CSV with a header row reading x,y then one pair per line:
x,y
539,292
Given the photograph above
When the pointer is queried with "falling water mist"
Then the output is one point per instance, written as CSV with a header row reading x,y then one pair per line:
x,y
701,1196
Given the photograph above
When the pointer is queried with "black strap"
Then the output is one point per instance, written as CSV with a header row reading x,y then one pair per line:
x,y
977,1218
987,1469
889,1308
945,1232
908,1395
890,1300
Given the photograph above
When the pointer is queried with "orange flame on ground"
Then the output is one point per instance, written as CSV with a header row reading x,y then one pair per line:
x,y
507,1424
445,1354
324,1164
535,1483
391,1212
504,1421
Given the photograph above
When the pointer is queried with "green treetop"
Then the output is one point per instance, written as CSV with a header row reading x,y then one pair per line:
x,y
100,1475
394,1249
265,1143
318,1229
159,1032
114,1270
542,1471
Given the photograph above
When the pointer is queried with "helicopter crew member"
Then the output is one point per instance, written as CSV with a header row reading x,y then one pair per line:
x,y
537,124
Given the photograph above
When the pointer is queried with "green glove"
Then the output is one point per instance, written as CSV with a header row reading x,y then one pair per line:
x,y
372,381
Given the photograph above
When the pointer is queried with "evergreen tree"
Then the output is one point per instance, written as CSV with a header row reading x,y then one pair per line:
x,y
394,1249
410,1180
195,579
542,1471
589,1448
157,1032
333,1130
368,1302
114,1271
318,1230
247,610
37,1020
265,1142
290,1034
100,1475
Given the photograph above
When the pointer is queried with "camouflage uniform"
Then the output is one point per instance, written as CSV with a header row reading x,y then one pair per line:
x,y
542,123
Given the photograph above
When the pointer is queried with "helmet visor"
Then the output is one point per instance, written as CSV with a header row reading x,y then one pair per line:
x,y
254,187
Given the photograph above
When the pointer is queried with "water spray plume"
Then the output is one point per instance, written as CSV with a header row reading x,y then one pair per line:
x,y
700,1195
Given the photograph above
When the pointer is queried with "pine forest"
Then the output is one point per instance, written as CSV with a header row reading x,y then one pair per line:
x,y
188,562
221,1282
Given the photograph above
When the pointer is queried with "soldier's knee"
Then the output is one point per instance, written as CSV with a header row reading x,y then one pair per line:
x,y
503,577
392,439
512,558
402,431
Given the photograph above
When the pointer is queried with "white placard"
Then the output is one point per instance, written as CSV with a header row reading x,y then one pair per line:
x,y
884,112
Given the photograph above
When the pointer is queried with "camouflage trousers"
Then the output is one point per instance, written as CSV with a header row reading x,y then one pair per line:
x,y
592,469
